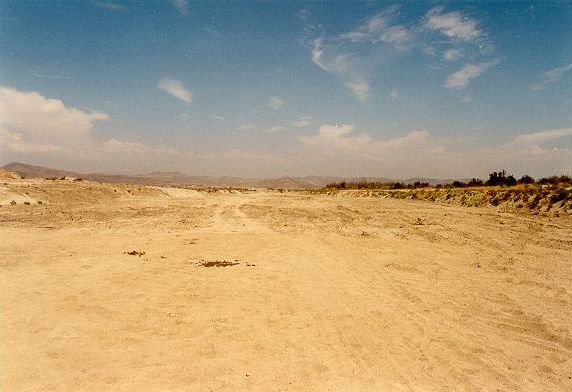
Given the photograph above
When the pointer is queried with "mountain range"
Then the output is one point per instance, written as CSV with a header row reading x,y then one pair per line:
x,y
175,178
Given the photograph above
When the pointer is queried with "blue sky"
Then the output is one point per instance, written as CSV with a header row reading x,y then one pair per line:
x,y
397,89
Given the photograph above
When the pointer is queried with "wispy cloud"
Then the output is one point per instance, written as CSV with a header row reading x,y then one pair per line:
x,y
113,145
551,76
47,75
343,65
335,63
460,79
301,122
453,54
176,89
354,56
109,6
275,103
453,24
377,28
543,136
275,128
181,5
217,117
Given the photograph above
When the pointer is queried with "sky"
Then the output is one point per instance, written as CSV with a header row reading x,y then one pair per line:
x,y
268,89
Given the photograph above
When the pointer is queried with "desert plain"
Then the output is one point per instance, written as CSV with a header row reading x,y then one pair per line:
x,y
108,287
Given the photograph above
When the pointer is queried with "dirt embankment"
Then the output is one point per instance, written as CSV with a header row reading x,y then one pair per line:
x,y
66,191
528,199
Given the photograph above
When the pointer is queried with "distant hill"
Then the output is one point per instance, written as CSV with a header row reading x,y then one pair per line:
x,y
31,171
175,178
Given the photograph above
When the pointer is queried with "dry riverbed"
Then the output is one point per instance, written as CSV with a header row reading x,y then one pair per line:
x,y
130,288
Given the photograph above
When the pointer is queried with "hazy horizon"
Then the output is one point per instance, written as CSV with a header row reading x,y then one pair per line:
x,y
263,89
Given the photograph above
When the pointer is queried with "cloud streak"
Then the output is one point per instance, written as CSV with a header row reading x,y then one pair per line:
x,y
302,122
461,79
551,76
176,89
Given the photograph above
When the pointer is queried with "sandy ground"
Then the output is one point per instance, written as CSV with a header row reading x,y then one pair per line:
x,y
329,293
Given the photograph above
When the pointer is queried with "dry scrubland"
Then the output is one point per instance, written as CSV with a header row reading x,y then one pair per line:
x,y
132,288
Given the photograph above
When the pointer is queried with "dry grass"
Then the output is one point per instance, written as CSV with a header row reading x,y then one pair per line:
x,y
217,263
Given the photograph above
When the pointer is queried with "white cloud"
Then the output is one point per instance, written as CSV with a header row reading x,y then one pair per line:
x,y
14,142
360,88
31,121
453,24
181,5
342,139
396,35
31,124
331,134
527,154
551,76
217,117
176,89
301,122
460,79
275,103
453,54
394,94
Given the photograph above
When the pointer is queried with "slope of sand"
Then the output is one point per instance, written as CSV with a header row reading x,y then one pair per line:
x,y
328,293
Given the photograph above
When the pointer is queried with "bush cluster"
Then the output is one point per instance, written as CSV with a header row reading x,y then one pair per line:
x,y
499,178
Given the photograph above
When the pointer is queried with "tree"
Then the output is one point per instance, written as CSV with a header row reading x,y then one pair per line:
x,y
500,178
526,179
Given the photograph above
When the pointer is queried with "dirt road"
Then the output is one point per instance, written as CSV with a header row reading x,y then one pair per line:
x,y
327,293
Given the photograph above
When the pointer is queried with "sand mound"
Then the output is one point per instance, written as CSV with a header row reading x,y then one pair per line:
x,y
69,191
5,174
